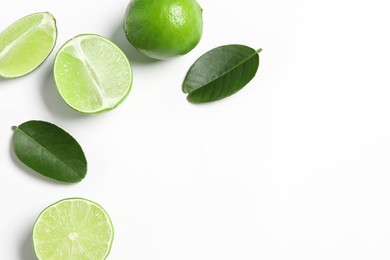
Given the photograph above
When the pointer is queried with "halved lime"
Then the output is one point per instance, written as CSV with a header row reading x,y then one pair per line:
x,y
26,44
73,229
92,74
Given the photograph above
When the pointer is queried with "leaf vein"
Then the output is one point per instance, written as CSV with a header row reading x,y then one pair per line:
x,y
44,148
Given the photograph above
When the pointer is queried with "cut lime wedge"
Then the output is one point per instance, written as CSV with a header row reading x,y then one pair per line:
x,y
73,229
26,44
92,74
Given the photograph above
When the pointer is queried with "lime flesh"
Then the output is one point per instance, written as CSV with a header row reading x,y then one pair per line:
x,y
92,74
73,229
165,28
26,44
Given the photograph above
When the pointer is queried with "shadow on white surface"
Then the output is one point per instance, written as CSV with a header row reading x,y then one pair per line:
x,y
32,174
135,57
53,101
26,250
5,80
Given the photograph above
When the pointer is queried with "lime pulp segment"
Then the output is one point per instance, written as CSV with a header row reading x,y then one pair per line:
x,y
26,44
73,229
92,74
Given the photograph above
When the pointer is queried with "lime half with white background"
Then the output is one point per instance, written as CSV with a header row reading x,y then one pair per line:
x,y
92,74
73,229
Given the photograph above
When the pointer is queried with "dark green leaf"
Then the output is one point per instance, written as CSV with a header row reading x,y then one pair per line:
x,y
220,73
50,151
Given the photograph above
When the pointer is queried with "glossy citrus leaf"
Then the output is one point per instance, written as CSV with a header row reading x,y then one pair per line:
x,y
220,73
50,151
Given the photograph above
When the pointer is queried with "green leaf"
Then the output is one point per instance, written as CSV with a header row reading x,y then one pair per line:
x,y
220,73
50,151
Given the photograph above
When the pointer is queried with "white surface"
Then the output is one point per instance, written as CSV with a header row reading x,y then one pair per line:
x,y
295,166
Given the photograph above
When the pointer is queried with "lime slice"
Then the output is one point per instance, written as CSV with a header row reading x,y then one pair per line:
x,y
73,229
92,74
26,44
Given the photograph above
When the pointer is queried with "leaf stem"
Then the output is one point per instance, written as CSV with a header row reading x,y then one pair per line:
x,y
259,50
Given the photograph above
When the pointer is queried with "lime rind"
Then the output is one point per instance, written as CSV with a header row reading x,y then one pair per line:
x,y
73,48
75,199
163,29
15,53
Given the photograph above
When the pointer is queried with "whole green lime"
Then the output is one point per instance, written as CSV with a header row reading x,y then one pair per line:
x,y
162,29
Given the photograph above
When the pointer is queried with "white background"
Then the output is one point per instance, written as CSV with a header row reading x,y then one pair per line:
x,y
294,166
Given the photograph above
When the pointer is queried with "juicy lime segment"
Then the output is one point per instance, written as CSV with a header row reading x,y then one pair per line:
x,y
73,229
92,74
26,44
